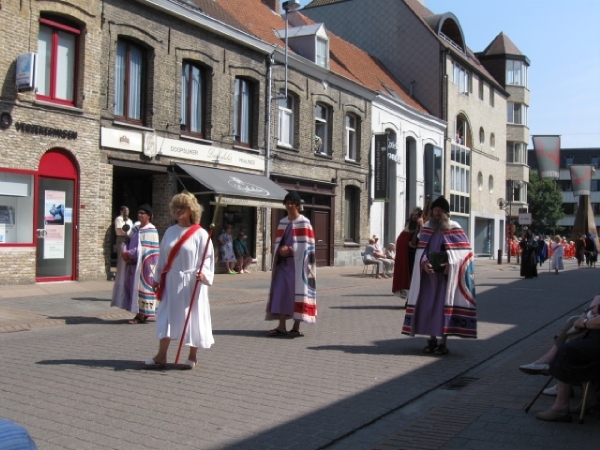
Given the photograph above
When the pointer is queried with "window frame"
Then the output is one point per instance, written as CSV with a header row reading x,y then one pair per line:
x,y
462,79
351,133
238,112
31,212
511,70
351,208
185,120
322,59
57,27
516,148
126,107
325,123
289,111
511,108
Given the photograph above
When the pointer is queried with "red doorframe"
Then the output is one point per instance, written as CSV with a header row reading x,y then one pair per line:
x,y
58,163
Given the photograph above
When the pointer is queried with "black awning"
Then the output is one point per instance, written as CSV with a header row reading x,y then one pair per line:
x,y
238,188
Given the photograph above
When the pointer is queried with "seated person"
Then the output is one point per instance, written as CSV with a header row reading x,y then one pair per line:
x,y
571,363
371,258
241,253
390,251
388,263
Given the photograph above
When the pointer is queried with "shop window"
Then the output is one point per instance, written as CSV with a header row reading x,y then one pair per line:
x,y
16,208
129,82
57,61
322,125
242,111
286,120
193,99
352,124
351,209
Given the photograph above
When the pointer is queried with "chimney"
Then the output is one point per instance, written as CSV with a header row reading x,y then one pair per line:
x,y
275,5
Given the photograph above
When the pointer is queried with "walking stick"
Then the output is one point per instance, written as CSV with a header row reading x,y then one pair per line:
x,y
187,319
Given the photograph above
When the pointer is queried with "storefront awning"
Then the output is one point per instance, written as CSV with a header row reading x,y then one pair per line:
x,y
238,188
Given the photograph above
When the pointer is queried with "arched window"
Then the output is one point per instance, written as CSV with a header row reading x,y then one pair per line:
x,y
130,68
242,111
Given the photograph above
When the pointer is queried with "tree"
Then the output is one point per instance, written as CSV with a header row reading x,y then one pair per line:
x,y
545,204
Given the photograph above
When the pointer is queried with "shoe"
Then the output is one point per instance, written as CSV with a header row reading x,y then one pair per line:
x,y
233,272
188,365
276,332
431,346
441,350
551,391
151,364
246,271
535,369
295,333
589,404
554,416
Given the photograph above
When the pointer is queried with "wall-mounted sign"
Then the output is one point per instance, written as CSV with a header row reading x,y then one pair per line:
x,y
207,153
120,139
380,189
25,74
30,128
525,219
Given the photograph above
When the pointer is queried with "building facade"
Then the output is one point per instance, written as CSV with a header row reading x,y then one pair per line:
x,y
455,87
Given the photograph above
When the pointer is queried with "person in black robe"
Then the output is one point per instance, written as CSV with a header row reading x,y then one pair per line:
x,y
528,258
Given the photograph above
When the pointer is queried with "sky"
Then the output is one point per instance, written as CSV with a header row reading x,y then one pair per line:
x,y
562,41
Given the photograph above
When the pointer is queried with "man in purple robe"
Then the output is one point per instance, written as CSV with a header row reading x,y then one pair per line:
x,y
441,301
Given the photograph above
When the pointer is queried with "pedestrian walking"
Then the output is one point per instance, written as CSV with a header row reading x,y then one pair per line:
x,y
528,259
293,293
406,248
441,300
133,288
558,250
181,251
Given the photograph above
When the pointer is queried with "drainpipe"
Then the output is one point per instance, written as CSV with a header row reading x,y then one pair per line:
x,y
266,237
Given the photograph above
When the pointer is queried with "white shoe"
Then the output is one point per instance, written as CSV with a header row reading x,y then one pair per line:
x,y
535,369
551,391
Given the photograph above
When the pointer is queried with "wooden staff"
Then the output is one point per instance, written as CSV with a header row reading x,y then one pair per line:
x,y
208,241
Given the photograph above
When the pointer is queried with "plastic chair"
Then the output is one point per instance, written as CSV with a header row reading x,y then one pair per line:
x,y
366,264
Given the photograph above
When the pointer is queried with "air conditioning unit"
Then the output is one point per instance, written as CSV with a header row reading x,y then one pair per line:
x,y
26,71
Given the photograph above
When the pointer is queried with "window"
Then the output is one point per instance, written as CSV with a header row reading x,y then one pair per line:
x,y
16,208
481,135
242,109
351,137
460,179
594,160
568,161
516,152
57,62
492,100
129,81
481,86
322,52
193,102
517,113
516,73
322,114
569,208
480,181
493,141
491,184
350,213
461,78
286,120
595,186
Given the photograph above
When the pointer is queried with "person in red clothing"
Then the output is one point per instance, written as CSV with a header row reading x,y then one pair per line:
x,y
406,247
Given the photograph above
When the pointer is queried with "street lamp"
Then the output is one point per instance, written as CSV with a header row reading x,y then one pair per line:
x,y
290,5
507,207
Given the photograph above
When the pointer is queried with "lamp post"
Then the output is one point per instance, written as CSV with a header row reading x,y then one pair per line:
x,y
290,5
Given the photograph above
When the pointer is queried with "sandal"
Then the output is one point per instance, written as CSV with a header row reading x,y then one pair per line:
x,y
431,346
138,319
441,350
295,333
276,332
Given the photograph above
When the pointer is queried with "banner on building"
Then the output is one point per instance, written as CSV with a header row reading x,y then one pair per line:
x,y
547,153
380,189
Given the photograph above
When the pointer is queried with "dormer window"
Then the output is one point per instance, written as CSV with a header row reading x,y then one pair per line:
x,y
322,52
310,42
461,78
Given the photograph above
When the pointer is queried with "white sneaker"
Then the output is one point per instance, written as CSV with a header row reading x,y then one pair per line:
x,y
551,391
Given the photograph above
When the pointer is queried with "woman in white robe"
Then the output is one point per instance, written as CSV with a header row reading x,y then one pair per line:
x,y
176,284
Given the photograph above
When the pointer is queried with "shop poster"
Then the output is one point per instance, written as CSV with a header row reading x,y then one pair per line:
x,y
54,225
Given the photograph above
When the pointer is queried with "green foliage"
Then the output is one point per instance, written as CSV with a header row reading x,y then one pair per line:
x,y
545,204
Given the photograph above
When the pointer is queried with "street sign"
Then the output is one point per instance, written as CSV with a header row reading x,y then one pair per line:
x,y
525,219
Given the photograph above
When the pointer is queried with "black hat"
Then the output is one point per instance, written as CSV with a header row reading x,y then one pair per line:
x,y
146,207
292,196
441,202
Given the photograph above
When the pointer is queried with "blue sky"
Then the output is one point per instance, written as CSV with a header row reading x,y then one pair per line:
x,y
562,41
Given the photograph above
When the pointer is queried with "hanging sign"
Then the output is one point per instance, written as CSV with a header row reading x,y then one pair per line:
x,y
380,191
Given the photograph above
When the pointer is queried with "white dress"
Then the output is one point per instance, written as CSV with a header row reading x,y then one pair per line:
x,y
557,256
180,282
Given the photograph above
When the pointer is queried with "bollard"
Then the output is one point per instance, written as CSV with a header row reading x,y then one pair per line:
x,y
499,256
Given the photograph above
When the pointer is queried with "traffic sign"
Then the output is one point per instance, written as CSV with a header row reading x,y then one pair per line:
x,y
525,219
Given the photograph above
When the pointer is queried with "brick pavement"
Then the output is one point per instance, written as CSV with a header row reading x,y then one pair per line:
x,y
353,382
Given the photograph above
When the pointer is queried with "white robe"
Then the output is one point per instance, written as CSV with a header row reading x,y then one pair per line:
x,y
180,282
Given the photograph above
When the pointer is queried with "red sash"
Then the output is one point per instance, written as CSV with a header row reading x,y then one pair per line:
x,y
172,255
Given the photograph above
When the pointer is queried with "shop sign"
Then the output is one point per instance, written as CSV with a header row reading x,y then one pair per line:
x,y
251,202
381,167
207,153
30,128
120,139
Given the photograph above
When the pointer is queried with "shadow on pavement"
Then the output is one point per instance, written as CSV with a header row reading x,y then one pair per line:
x,y
92,299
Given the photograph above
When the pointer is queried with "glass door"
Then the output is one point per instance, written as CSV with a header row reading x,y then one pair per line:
x,y
55,233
